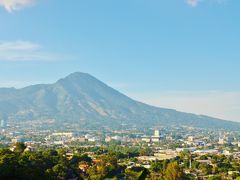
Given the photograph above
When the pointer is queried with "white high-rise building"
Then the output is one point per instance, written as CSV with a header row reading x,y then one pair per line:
x,y
2,124
190,138
221,141
157,133
156,137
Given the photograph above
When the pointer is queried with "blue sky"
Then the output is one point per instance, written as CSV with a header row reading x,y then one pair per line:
x,y
181,54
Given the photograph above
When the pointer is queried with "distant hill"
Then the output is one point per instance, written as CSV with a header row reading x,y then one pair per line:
x,y
82,99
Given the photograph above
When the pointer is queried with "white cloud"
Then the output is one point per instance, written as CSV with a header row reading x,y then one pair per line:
x,y
23,51
12,5
192,3
220,104
18,45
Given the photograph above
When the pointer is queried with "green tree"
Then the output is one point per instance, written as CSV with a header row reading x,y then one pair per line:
x,y
20,147
214,178
8,165
136,173
173,172
205,168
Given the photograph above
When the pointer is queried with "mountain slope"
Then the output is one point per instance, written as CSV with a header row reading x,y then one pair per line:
x,y
82,99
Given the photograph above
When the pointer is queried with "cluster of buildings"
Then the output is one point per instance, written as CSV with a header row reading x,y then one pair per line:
x,y
174,139
156,138
165,143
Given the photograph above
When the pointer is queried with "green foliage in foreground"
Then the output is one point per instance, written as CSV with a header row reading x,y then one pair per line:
x,y
47,164
57,164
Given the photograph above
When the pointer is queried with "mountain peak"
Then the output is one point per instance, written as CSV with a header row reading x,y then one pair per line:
x,y
76,77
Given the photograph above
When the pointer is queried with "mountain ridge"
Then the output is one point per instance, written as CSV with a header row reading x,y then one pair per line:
x,y
83,99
